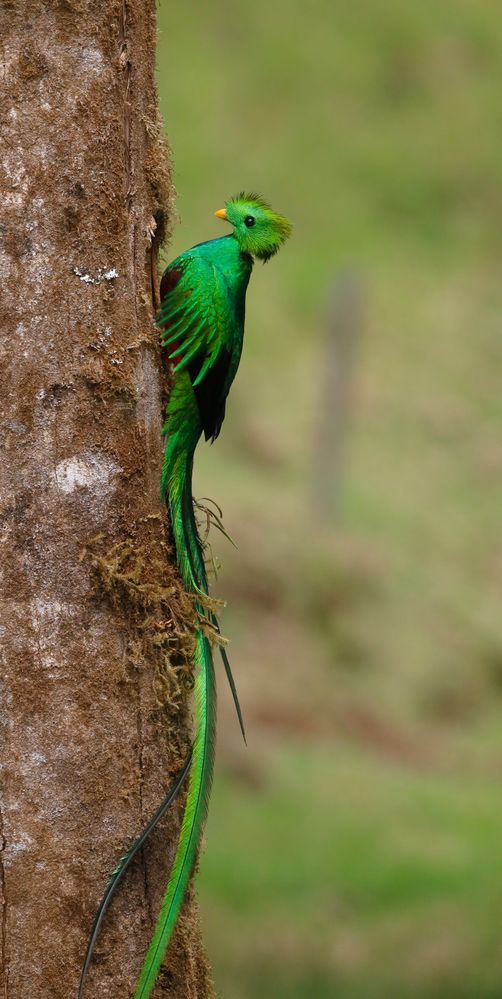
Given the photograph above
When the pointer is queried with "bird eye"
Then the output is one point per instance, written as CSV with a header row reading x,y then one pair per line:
x,y
249,221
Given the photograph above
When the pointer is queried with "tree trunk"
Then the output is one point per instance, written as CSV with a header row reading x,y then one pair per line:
x,y
93,625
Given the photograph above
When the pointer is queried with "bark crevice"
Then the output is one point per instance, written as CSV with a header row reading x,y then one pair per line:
x,y
126,67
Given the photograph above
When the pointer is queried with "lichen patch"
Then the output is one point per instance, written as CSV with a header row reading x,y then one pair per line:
x,y
86,471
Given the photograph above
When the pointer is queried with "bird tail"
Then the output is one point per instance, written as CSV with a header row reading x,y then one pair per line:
x,y
176,488
183,430
122,866
199,787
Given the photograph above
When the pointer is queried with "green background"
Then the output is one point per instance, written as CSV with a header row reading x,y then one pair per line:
x,y
354,849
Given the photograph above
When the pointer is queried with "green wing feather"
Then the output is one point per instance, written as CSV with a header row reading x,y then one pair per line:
x,y
196,315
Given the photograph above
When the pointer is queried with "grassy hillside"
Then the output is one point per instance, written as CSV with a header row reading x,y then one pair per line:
x,y
368,643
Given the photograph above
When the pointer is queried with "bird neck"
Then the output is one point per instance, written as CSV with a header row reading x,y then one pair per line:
x,y
227,256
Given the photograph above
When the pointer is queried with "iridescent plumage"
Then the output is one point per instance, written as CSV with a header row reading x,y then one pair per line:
x,y
202,322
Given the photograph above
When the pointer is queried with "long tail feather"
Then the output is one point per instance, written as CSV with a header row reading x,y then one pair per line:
x,y
122,866
231,683
198,560
199,787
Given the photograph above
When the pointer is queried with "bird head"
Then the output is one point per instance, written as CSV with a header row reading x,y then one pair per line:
x,y
257,229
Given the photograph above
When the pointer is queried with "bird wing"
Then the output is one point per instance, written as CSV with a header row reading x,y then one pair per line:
x,y
196,319
195,314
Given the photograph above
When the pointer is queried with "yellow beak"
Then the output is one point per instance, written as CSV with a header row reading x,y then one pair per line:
x,y
221,214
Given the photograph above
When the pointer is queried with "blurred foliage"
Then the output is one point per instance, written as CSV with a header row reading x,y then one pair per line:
x,y
352,850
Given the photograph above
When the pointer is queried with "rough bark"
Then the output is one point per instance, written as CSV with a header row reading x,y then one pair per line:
x,y
93,716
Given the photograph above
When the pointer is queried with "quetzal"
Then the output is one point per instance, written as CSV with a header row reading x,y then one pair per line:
x,y
201,320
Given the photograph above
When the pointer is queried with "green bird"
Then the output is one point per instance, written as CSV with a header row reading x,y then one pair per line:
x,y
203,296
202,321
